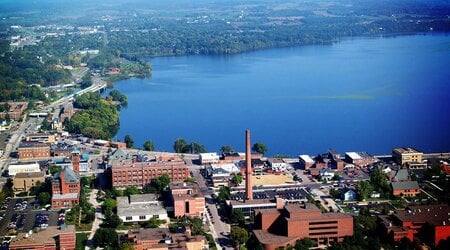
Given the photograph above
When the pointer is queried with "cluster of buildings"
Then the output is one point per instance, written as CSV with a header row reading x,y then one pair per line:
x,y
430,222
15,111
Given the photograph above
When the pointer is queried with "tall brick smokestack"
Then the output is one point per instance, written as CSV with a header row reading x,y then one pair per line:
x,y
248,165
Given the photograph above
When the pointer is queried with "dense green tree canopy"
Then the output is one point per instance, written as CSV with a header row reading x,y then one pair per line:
x,y
259,148
149,146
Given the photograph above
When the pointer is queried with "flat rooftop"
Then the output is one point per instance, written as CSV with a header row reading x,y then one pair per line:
x,y
406,150
433,214
143,205
306,158
42,236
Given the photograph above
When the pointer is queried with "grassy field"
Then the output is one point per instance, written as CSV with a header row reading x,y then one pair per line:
x,y
81,240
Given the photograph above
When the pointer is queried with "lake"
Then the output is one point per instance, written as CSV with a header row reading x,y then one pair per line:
x,y
362,94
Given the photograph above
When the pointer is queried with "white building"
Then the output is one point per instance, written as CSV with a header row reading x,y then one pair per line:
x,y
23,168
277,164
208,158
224,170
326,174
140,207
349,195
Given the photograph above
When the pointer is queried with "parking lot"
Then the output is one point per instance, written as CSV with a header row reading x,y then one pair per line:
x,y
293,194
21,215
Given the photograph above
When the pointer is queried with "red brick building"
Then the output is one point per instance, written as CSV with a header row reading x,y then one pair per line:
x,y
127,173
187,199
65,188
281,227
32,151
52,238
16,110
431,221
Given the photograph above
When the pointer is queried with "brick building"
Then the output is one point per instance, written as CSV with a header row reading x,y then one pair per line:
x,y
279,227
32,151
405,188
52,238
16,110
127,173
360,159
187,199
24,181
65,188
432,222
163,239
41,138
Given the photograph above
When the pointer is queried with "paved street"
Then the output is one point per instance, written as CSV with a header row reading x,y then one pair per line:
x,y
219,228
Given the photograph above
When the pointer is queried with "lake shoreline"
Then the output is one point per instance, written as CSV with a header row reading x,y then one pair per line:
x,y
243,55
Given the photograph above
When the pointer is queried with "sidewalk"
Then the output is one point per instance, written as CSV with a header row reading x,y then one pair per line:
x,y
98,217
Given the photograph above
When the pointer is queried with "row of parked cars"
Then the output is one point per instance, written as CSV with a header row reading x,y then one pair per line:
x,y
17,222
41,220
21,205
5,204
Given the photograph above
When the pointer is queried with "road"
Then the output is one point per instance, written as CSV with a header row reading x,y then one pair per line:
x,y
219,228
32,124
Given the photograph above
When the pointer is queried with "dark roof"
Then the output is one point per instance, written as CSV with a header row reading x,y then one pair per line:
x,y
33,145
405,185
401,175
69,175
29,175
432,214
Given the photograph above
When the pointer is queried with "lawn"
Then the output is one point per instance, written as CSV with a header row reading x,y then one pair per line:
x,y
81,240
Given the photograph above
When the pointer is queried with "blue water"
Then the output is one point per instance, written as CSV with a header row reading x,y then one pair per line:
x,y
362,94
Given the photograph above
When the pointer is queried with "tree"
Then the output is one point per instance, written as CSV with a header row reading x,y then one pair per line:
x,y
129,141
224,194
226,149
153,223
54,169
109,204
239,235
44,198
149,146
363,189
131,191
180,145
149,189
335,193
237,179
126,246
237,217
195,148
106,237
304,244
161,182
86,81
196,226
111,220
259,148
